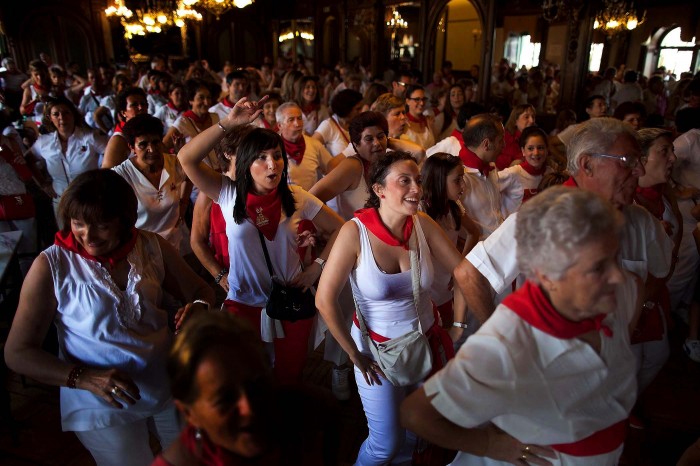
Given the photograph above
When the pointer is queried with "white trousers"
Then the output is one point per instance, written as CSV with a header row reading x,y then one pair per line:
x,y
127,445
388,442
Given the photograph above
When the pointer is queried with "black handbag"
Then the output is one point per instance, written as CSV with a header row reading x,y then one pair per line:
x,y
287,302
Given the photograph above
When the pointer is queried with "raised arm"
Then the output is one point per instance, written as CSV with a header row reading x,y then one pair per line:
x,y
192,154
343,177
116,152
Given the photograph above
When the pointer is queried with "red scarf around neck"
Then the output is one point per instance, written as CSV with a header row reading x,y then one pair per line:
x,y
531,305
652,199
570,183
172,106
119,127
422,120
201,122
66,240
267,125
155,92
295,150
371,219
265,211
471,160
308,108
227,103
532,170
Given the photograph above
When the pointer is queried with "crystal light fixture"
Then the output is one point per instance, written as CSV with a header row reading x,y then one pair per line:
x,y
617,16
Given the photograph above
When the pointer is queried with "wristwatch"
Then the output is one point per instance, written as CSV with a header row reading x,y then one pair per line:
x,y
460,324
320,262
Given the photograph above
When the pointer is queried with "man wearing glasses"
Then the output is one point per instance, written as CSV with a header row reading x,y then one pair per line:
x,y
604,157
398,88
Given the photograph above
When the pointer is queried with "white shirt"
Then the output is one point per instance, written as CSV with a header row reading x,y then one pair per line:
x,y
335,137
424,139
155,102
167,115
221,110
540,389
313,119
83,152
249,279
386,300
513,182
686,170
187,128
645,248
313,165
159,207
100,325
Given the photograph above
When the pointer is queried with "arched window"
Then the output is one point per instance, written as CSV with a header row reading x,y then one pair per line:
x,y
676,55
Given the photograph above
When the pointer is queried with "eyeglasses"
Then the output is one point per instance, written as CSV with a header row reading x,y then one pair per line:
x,y
143,145
627,161
418,99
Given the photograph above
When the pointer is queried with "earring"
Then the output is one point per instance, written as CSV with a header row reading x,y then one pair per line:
x,y
382,196
198,434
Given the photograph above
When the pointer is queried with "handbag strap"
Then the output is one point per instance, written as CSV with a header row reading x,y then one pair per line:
x,y
413,254
267,254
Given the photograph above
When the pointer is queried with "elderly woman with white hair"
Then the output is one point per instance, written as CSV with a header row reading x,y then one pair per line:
x,y
550,377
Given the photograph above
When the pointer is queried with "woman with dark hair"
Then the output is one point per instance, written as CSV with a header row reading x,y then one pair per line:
x,y
392,294
521,117
130,102
208,237
37,92
236,415
176,105
67,150
102,283
520,182
158,181
420,127
333,131
633,113
263,212
195,120
443,189
446,121
309,99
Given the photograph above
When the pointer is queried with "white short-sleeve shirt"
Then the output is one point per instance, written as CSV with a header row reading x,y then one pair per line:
x,y
313,165
249,279
334,135
540,389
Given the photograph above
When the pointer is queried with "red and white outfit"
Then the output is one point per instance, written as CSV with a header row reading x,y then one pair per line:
x,y
307,169
543,389
312,117
222,108
168,113
518,184
335,137
423,138
159,207
482,197
249,279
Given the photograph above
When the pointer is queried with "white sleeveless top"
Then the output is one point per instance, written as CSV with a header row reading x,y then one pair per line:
x,y
386,300
347,202
101,326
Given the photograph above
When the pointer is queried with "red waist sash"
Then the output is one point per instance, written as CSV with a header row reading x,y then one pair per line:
x,y
598,443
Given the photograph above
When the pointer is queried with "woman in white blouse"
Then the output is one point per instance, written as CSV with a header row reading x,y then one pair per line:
x,y
333,131
550,377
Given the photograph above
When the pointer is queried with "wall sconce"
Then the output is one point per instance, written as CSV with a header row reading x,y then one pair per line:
x,y
477,35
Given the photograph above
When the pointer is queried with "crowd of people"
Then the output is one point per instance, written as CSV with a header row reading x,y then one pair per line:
x,y
358,212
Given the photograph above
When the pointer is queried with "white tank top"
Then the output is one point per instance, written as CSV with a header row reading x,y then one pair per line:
x,y
386,300
101,326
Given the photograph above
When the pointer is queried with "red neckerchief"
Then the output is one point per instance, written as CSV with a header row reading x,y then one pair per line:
x,y
471,160
67,241
39,88
155,92
265,212
652,199
531,305
227,103
371,219
308,108
119,127
201,122
570,183
172,106
295,150
268,126
421,120
532,170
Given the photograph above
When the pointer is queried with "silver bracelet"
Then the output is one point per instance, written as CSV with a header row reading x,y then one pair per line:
x,y
460,324
221,126
201,301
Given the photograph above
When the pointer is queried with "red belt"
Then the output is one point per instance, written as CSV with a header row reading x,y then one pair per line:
x,y
599,443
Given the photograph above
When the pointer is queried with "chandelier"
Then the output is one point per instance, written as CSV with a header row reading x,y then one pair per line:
x,y
153,18
617,16
396,21
553,10
218,7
